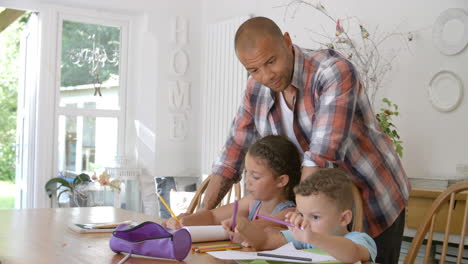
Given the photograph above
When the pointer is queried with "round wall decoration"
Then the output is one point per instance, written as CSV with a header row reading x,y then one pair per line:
x,y
450,31
445,91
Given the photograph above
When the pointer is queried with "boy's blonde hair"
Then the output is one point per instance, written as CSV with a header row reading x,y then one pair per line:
x,y
333,183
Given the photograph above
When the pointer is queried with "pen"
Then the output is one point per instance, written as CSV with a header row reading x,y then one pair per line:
x,y
169,209
260,254
275,220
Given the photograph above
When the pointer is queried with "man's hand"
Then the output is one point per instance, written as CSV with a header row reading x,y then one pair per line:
x,y
216,190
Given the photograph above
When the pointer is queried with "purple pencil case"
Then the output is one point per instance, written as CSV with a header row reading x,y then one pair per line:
x,y
152,240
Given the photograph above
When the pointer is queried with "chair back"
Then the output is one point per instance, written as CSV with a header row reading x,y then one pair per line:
x,y
450,195
196,201
358,212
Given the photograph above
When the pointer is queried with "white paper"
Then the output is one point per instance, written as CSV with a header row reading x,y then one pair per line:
x,y
207,233
286,250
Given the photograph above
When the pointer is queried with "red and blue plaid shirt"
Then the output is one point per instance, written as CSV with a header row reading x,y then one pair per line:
x,y
336,128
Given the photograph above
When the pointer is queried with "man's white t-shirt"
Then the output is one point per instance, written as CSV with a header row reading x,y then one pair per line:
x,y
287,118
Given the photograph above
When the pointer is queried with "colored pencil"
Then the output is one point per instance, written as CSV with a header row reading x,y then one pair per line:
x,y
202,249
234,215
275,220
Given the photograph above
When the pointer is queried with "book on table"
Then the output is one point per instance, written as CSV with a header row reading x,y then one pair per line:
x,y
98,227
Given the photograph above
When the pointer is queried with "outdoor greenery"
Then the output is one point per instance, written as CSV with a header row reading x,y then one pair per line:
x,y
90,53
9,71
7,195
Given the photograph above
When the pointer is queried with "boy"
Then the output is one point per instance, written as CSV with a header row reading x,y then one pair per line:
x,y
324,210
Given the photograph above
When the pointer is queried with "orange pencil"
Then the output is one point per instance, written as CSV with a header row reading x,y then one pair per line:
x,y
203,249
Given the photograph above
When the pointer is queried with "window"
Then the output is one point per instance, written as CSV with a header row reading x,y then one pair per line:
x,y
90,112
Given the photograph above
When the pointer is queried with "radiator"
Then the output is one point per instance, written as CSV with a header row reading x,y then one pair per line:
x,y
223,82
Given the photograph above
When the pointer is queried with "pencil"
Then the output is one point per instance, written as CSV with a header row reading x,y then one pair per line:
x,y
111,225
275,220
217,248
169,209
234,215
282,256
216,245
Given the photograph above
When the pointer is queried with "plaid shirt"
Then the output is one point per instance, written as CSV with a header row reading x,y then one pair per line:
x,y
335,126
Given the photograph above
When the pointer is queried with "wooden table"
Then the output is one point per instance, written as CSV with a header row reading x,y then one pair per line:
x,y
41,236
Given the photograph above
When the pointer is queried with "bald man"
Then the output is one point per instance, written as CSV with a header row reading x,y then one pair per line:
x,y
316,99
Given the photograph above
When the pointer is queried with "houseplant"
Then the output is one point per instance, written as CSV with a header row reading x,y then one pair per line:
x,y
62,185
385,120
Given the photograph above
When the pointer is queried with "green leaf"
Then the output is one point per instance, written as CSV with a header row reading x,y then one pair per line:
x,y
384,118
81,178
51,185
399,150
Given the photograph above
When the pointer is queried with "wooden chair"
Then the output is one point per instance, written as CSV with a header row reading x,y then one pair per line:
x,y
196,201
358,212
450,195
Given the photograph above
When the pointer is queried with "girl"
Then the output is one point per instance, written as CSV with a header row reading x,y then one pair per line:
x,y
273,168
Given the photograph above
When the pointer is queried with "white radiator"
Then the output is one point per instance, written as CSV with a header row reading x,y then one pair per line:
x,y
223,82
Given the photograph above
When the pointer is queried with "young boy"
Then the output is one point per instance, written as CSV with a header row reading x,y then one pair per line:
x,y
324,210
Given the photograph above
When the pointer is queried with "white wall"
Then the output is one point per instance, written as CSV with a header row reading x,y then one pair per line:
x,y
434,142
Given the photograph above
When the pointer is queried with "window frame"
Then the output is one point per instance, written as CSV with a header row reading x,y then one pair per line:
x,y
67,111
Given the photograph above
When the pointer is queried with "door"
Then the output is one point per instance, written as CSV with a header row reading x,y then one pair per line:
x,y
25,128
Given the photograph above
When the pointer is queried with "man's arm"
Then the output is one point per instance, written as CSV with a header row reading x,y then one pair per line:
x,y
216,190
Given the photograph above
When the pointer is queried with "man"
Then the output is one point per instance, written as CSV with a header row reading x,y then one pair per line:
x,y
317,100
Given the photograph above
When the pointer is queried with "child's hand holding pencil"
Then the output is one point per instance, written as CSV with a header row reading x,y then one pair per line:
x,y
174,222
235,236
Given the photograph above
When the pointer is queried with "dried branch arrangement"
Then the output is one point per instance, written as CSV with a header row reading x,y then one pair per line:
x,y
352,39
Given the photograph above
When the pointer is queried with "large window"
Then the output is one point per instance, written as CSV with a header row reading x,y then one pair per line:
x,y
90,95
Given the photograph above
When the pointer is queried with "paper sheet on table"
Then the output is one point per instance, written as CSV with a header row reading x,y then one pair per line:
x,y
207,233
286,250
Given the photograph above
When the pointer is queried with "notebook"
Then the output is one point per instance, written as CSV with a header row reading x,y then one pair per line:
x,y
97,227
